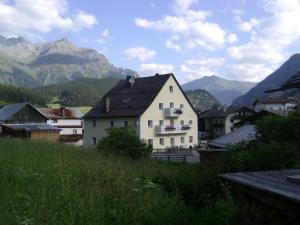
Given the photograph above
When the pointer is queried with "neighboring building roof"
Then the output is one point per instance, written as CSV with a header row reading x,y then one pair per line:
x,y
284,183
59,113
8,111
130,101
293,82
244,133
222,112
257,116
271,100
32,127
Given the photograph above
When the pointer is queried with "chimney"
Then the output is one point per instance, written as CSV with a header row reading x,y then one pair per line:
x,y
107,104
62,112
130,80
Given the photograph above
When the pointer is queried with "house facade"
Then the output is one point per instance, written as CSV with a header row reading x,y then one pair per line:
x,y
220,121
273,104
68,121
156,107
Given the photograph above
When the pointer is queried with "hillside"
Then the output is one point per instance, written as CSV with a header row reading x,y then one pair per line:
x,y
10,94
79,92
222,89
26,64
273,81
201,100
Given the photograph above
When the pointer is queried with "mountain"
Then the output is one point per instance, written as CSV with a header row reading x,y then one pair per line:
x,y
273,81
10,94
201,100
27,64
224,90
78,92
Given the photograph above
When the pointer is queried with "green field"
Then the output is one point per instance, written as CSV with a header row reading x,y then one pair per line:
x,y
47,183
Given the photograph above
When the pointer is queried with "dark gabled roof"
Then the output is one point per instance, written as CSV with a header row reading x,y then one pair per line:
x,y
293,82
130,101
222,112
8,111
271,100
32,127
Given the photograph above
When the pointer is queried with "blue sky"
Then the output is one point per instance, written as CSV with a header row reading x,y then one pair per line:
x,y
234,39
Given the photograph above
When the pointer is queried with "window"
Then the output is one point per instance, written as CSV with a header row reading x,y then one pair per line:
x,y
150,141
111,123
94,140
172,123
94,123
161,123
171,104
182,140
182,122
161,106
74,131
161,141
181,106
190,122
171,89
150,123
125,123
191,139
55,121
137,123
172,141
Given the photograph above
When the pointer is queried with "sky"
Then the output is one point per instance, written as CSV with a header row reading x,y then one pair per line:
x,y
234,39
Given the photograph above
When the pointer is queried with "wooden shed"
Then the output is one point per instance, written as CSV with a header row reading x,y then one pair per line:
x,y
31,131
268,197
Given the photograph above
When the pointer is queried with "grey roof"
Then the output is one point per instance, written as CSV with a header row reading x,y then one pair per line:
x,y
244,133
278,183
130,101
222,112
32,127
8,110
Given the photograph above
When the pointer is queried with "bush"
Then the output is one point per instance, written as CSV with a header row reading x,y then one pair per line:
x,y
124,142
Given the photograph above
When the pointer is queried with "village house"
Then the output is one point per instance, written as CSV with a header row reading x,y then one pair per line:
x,y
273,104
219,121
156,107
24,121
68,121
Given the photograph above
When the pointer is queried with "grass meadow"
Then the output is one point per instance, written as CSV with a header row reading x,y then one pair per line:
x,y
45,183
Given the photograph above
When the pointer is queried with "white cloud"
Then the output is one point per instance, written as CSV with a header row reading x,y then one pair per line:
x,y
269,38
141,53
232,38
153,68
34,17
192,28
196,68
104,37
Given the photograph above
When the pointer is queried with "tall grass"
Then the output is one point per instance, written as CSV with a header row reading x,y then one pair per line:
x,y
46,183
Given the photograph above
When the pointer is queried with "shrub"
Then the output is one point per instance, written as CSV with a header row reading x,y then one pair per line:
x,y
124,142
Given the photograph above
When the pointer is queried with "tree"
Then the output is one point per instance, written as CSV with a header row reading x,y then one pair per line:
x,y
124,141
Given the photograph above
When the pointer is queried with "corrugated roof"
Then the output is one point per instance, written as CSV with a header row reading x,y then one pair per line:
x,y
244,133
130,101
56,113
8,110
32,127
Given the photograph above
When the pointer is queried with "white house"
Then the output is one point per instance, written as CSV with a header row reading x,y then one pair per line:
x,y
68,121
156,107
273,104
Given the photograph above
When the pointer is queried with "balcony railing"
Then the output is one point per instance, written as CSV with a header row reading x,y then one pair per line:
x,y
173,112
171,130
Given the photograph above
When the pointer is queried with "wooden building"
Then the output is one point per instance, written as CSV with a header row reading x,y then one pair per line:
x,y
23,120
267,197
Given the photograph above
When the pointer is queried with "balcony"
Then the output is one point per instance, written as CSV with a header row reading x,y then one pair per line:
x,y
160,130
173,112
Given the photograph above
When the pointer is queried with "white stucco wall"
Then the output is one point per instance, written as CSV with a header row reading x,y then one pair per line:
x,y
66,126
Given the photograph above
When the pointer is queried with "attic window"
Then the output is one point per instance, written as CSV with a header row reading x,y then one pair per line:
x,y
171,89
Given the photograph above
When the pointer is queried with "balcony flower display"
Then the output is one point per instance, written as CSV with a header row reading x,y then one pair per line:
x,y
185,127
170,128
178,111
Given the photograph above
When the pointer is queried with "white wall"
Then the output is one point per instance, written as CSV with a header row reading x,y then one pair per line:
x,y
64,123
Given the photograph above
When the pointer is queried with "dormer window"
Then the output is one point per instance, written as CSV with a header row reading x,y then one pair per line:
x,y
171,89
